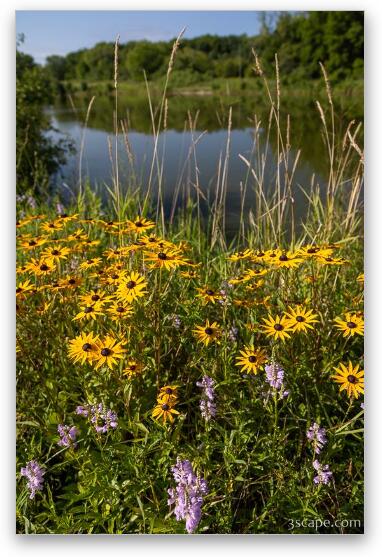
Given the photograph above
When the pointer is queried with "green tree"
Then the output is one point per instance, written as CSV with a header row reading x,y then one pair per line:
x,y
38,156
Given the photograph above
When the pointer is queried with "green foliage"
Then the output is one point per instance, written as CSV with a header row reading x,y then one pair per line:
x,y
37,155
302,40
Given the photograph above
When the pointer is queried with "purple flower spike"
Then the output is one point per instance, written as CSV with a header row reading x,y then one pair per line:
x,y
187,495
324,475
274,375
67,435
34,474
207,404
317,435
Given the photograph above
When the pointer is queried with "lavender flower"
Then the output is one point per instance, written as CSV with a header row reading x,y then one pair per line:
x,y
317,434
67,435
274,375
187,495
324,475
207,403
102,419
233,333
176,321
34,473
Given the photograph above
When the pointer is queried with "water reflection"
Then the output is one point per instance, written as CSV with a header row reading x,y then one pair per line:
x,y
175,147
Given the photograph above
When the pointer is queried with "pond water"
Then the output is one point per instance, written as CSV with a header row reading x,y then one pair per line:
x,y
179,174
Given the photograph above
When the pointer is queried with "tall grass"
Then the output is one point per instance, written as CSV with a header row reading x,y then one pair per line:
x,y
271,174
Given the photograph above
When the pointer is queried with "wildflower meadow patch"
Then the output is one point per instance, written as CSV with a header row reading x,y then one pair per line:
x,y
174,379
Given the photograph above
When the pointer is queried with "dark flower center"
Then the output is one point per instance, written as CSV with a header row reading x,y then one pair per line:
x,y
278,327
55,285
139,224
105,352
351,325
352,379
283,258
260,254
133,367
19,289
114,277
252,359
63,216
329,259
44,267
210,292
272,255
162,255
300,318
131,284
240,254
32,243
88,309
72,281
312,250
117,252
208,331
165,407
120,309
95,297
110,223
86,347
55,252
51,225
90,261
169,391
151,240
17,223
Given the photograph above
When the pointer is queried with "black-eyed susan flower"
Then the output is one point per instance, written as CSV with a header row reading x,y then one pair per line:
x,y
114,276
208,295
350,378
351,325
329,260
108,352
114,253
83,348
255,273
94,296
240,279
50,227
301,319
119,310
310,251
89,243
164,411
169,394
140,225
133,368
71,281
286,260
89,312
90,263
150,241
278,327
191,274
55,253
241,255
207,333
252,359
132,286
24,287
64,217
41,267
79,234
29,243
164,259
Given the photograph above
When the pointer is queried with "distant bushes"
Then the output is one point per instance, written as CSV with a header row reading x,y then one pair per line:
x,y
301,40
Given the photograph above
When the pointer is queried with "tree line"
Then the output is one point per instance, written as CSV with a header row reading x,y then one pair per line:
x,y
302,40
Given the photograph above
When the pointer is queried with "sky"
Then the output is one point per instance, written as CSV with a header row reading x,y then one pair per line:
x,y
60,32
